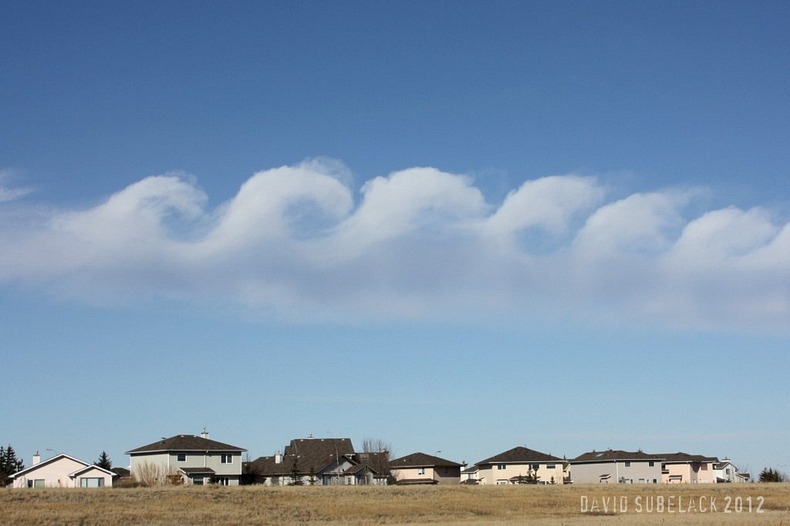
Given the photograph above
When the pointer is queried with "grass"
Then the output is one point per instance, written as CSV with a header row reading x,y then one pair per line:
x,y
362,506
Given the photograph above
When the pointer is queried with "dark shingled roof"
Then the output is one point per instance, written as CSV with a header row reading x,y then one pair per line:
x,y
615,455
685,457
520,454
309,454
185,443
419,460
197,471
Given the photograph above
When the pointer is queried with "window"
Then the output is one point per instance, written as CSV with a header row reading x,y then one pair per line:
x,y
421,471
501,466
39,483
182,457
550,466
651,463
628,463
91,482
226,458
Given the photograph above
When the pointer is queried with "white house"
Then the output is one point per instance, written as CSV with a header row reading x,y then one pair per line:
x,y
62,471
189,459
726,471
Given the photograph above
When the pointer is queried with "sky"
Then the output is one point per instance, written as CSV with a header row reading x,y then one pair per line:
x,y
457,227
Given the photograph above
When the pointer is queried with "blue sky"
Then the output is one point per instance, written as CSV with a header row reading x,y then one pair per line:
x,y
454,226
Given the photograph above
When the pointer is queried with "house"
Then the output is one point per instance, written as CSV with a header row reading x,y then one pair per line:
x,y
616,466
470,475
522,465
187,459
726,471
62,471
321,462
682,468
419,468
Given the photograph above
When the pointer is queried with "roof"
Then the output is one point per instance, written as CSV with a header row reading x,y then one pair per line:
x,y
308,455
681,458
414,482
353,470
316,453
197,471
48,461
614,455
184,443
91,467
420,460
520,454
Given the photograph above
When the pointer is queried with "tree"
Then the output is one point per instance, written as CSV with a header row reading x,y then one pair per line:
x,y
9,464
772,475
377,454
104,461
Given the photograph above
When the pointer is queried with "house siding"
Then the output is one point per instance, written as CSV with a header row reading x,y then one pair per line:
x,y
616,472
505,473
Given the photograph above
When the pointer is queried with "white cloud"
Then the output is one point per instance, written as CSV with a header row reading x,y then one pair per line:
x,y
8,193
420,243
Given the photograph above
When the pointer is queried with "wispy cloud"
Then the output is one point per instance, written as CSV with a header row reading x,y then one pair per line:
x,y
297,242
10,193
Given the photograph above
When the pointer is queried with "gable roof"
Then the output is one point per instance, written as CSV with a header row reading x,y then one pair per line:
x,y
92,467
420,460
48,461
316,453
306,455
614,455
184,443
520,455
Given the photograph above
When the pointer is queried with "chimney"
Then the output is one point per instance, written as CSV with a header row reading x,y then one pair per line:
x,y
278,458
204,434
36,458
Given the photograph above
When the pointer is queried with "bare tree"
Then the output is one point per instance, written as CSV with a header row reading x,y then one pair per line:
x,y
377,453
151,474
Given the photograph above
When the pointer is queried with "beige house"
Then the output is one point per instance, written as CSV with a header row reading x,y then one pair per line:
x,y
614,466
62,471
682,468
187,459
420,468
521,465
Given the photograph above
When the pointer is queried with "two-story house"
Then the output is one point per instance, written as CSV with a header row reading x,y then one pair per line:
x,y
420,468
682,468
616,466
522,465
189,459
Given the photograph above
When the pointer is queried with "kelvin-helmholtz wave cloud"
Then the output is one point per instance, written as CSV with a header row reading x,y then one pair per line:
x,y
298,242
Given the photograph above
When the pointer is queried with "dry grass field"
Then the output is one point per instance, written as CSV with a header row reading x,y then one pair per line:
x,y
443,506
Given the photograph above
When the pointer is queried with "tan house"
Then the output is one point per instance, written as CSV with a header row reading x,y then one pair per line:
x,y
682,468
187,459
522,465
614,466
62,471
420,468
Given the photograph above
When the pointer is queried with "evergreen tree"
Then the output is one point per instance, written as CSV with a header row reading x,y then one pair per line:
x,y
9,464
771,475
104,461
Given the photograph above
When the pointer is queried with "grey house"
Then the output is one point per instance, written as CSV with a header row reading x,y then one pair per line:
x,y
616,466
